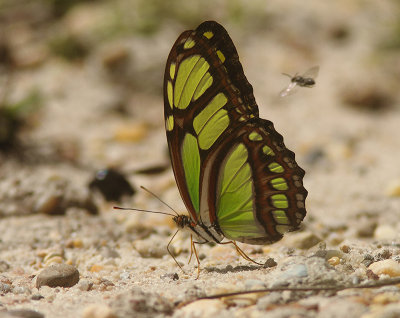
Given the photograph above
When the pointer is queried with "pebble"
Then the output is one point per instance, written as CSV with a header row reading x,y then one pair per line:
x,y
368,260
393,189
37,297
150,249
22,313
58,275
85,285
388,267
270,262
345,248
365,227
385,232
333,253
98,311
334,261
294,271
49,203
201,308
302,240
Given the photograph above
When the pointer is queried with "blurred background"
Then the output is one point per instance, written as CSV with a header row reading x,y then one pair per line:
x,y
81,128
81,90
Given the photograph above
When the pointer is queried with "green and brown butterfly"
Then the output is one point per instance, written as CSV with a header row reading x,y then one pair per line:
x,y
234,173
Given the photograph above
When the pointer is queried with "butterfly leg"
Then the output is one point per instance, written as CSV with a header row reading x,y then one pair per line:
x,y
193,249
241,253
170,253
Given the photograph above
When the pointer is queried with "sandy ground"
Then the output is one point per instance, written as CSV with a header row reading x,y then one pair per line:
x,y
106,110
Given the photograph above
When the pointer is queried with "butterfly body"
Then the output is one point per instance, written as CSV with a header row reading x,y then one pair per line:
x,y
234,173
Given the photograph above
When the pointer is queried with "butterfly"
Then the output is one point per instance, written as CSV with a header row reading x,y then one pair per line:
x,y
305,80
235,175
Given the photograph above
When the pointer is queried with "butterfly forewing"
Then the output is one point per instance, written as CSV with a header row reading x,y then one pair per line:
x,y
211,117
206,94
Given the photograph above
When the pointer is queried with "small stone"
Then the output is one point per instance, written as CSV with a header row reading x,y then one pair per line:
x,y
24,313
270,262
148,248
333,253
385,232
85,285
383,254
58,275
368,260
37,297
365,227
334,261
345,249
294,271
98,311
388,267
302,240
96,268
393,189
77,243
49,203
202,308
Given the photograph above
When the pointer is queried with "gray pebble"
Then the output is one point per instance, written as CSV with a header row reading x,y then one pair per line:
x,y
270,262
58,275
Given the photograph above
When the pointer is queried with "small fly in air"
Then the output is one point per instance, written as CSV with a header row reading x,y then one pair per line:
x,y
305,80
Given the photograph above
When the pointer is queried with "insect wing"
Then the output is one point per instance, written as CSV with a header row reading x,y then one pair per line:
x,y
311,73
291,89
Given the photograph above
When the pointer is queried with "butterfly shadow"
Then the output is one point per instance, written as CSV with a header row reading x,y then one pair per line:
x,y
231,269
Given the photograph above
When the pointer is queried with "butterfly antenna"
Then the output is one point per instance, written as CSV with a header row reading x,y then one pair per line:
x,y
159,199
141,210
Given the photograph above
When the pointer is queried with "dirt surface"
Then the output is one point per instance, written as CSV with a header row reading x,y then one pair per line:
x,y
89,78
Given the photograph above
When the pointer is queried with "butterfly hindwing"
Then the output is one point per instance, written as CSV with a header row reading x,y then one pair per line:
x,y
257,193
233,171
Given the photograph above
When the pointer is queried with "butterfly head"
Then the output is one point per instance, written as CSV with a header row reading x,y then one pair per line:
x,y
182,221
